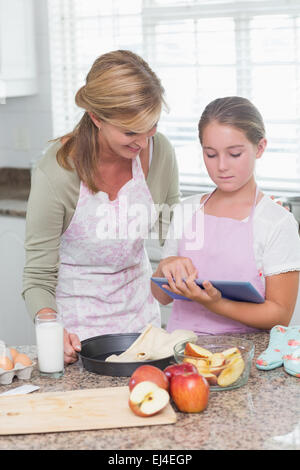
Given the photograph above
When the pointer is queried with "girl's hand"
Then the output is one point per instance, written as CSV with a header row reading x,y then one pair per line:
x,y
188,288
175,268
71,345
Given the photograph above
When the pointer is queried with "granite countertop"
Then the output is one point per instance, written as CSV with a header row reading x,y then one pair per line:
x,y
263,414
14,191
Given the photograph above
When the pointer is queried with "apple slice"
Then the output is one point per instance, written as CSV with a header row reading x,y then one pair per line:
x,y
194,350
210,377
197,362
232,372
231,353
217,360
203,369
147,399
217,363
201,365
217,370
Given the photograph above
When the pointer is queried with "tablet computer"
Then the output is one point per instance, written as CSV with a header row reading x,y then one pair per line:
x,y
233,290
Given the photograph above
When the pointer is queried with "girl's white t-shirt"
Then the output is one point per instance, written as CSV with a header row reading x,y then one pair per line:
x,y
275,233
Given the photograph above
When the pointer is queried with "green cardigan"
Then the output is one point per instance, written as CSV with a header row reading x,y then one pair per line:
x,y
51,206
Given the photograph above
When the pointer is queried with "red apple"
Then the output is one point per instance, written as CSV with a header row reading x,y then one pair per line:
x,y
190,392
147,399
178,369
149,373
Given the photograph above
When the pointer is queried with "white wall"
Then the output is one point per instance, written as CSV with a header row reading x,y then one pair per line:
x,y
25,122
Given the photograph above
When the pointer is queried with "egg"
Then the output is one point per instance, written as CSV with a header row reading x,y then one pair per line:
x,y
22,359
13,353
6,363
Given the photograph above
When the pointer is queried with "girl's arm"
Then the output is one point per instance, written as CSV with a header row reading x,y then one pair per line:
x,y
278,308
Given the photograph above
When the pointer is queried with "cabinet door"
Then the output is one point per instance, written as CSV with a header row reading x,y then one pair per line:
x,y
16,327
17,48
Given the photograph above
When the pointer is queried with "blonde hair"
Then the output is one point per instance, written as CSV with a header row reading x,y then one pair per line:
x,y
236,112
120,89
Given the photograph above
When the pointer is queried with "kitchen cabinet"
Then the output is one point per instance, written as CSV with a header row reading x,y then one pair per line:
x,y
16,327
17,49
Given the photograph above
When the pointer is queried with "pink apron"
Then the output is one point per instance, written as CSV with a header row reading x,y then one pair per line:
x,y
227,254
103,283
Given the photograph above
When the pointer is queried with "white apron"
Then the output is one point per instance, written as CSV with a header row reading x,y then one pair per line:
x,y
104,282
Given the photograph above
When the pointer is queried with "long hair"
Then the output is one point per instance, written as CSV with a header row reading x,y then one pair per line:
x,y
120,89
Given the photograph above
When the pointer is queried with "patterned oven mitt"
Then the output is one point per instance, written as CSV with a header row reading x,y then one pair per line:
x,y
283,349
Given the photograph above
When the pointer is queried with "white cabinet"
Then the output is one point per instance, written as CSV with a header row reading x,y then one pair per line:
x,y
17,49
16,327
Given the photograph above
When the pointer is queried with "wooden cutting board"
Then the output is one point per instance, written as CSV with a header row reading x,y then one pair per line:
x,y
98,408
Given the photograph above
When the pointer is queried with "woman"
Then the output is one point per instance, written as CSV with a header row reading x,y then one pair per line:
x,y
97,279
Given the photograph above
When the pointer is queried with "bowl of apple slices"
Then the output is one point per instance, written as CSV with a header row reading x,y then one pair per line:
x,y
225,361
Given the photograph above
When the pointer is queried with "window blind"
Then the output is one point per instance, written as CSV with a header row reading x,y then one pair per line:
x,y
201,50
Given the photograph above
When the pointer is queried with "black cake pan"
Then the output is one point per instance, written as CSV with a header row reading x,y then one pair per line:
x,y
95,350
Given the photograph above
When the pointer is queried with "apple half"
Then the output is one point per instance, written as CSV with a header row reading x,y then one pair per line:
x,y
147,399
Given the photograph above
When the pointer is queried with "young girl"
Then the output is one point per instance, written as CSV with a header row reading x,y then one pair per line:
x,y
246,235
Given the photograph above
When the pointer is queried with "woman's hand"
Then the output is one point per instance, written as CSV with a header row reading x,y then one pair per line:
x,y
71,345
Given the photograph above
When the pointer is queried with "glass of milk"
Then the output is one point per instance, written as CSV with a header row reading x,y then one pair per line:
x,y
50,344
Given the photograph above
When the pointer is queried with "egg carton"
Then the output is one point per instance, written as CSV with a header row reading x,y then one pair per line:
x,y
20,370
22,373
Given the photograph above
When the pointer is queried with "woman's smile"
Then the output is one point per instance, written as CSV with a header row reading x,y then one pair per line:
x,y
133,148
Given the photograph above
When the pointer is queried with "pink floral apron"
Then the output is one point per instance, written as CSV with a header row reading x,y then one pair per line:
x,y
104,282
227,254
